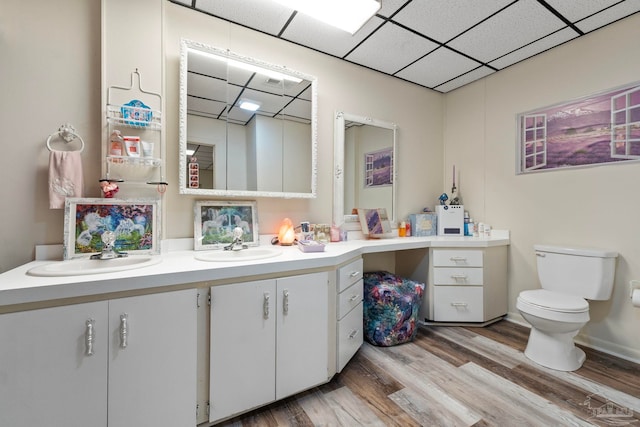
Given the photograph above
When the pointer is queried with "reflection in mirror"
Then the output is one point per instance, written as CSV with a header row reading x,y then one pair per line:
x,y
364,168
247,128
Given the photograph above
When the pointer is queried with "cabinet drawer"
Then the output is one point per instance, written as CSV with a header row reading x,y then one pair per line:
x,y
457,258
349,274
350,336
457,276
350,298
458,304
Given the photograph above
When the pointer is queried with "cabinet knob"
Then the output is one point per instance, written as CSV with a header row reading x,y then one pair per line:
x,y
354,274
354,297
459,276
89,337
458,259
459,305
353,334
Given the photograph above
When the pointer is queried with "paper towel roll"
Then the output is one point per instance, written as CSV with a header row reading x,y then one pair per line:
x,y
635,298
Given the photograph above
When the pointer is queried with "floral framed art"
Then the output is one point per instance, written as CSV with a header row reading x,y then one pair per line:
x,y
215,220
135,222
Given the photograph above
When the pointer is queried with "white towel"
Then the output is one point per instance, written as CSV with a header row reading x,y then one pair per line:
x,y
65,177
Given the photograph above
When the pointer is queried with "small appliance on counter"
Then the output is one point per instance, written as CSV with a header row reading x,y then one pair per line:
x,y
450,220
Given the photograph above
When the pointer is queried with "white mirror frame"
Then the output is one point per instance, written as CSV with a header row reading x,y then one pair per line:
x,y
185,45
338,162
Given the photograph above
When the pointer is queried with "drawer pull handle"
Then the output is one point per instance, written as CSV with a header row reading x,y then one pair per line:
x,y
285,302
459,276
354,297
459,304
458,258
353,334
265,305
124,330
89,337
354,274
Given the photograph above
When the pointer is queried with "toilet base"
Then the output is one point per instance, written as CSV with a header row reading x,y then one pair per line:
x,y
554,350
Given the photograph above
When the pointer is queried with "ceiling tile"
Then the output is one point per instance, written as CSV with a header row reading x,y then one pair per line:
x,y
390,49
268,17
471,76
443,20
437,67
325,38
605,17
577,10
389,7
534,48
519,24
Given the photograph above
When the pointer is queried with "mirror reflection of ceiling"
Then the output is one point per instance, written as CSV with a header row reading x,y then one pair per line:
x,y
441,45
276,97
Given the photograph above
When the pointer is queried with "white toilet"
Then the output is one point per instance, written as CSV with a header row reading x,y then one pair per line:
x,y
559,310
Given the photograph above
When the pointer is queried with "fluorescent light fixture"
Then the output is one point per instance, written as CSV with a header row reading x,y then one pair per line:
x,y
348,15
249,105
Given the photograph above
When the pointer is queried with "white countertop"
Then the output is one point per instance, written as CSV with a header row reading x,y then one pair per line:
x,y
180,267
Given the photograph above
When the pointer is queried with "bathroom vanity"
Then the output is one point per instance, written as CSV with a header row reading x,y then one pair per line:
x,y
144,347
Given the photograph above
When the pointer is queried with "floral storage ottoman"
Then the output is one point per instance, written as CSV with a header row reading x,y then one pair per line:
x,y
391,306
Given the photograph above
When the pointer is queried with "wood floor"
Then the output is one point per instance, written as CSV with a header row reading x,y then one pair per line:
x,y
455,376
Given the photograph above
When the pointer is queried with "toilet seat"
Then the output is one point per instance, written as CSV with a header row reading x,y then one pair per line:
x,y
555,301
553,306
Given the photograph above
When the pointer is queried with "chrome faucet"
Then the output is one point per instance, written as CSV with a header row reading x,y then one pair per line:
x,y
237,244
108,249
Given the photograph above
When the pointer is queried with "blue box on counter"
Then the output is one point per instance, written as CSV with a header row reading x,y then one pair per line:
x,y
424,224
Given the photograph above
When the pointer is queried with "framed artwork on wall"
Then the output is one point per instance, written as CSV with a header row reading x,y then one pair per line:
x,y
378,168
215,220
135,222
600,129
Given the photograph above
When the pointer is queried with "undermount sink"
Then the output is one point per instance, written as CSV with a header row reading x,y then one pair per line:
x,y
84,266
249,254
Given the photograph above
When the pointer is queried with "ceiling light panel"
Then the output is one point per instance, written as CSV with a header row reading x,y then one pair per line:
x,y
401,47
265,16
519,24
525,52
325,38
443,20
619,11
437,67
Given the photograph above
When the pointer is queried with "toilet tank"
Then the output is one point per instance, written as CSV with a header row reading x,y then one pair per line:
x,y
587,273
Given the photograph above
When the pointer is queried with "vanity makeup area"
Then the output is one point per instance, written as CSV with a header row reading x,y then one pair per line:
x,y
182,341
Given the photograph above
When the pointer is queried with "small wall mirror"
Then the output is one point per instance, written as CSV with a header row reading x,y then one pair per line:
x,y
364,165
247,127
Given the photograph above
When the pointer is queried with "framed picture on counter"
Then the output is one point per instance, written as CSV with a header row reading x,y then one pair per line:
x,y
215,220
135,222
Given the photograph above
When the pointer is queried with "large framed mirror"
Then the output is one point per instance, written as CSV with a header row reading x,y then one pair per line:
x,y
247,128
364,165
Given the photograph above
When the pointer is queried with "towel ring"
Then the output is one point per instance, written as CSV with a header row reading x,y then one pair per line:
x,y
68,133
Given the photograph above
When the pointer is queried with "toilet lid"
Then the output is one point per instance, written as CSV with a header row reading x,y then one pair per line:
x,y
554,300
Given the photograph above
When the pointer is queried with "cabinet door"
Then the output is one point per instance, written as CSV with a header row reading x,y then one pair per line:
x,y
302,339
46,377
242,347
152,360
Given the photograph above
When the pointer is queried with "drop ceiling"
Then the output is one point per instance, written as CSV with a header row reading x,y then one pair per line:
x,y
438,44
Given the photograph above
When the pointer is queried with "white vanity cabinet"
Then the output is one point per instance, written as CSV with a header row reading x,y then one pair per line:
x,y
268,340
48,376
466,285
349,312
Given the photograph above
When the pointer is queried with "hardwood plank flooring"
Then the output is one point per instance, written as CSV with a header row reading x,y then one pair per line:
x,y
462,376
